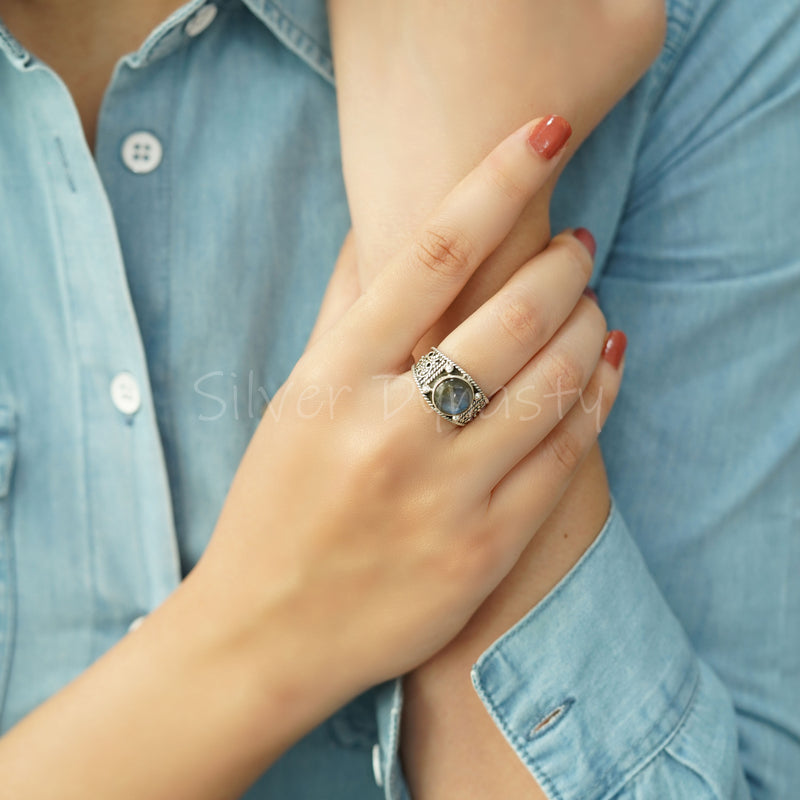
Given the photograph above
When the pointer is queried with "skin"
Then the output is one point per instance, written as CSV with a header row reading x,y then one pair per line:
x,y
423,88
82,40
248,637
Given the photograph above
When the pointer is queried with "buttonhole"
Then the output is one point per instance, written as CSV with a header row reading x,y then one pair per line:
x,y
550,719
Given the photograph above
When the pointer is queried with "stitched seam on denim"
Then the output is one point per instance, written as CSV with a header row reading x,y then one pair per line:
x,y
319,45
576,570
611,791
663,748
12,47
694,771
518,744
692,674
294,36
543,777
306,46
173,472
168,26
496,649
680,760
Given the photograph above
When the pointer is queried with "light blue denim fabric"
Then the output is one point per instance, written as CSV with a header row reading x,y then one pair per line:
x,y
672,650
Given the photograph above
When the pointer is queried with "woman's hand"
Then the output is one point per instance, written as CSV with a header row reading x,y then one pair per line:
x,y
359,535
423,88
357,514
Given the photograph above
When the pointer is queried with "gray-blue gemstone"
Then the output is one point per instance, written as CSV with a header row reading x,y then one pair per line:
x,y
452,396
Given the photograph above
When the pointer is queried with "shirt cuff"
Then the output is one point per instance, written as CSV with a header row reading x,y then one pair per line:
x,y
589,685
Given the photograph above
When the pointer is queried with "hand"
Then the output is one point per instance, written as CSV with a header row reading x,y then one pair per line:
x,y
422,91
378,534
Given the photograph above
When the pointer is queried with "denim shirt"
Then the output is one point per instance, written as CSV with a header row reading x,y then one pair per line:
x,y
152,298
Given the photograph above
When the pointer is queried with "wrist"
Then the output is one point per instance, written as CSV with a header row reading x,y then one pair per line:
x,y
269,663
192,694
575,522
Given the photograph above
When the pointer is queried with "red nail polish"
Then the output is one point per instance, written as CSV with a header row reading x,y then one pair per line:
x,y
585,237
549,136
591,294
616,343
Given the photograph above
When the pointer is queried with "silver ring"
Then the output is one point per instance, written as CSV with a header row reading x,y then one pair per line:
x,y
448,390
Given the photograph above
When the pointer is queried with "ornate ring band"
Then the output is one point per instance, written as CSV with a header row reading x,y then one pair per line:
x,y
448,389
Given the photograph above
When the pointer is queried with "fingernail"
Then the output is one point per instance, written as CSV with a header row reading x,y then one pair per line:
x,y
591,294
549,136
616,343
585,237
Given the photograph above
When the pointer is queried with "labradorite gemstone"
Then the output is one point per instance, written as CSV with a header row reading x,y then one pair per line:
x,y
452,396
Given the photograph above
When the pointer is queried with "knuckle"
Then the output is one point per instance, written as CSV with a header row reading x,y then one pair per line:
x,y
467,549
498,176
564,372
565,448
519,319
378,467
444,251
478,558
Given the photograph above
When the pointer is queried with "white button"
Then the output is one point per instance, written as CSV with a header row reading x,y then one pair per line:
x,y
135,625
201,20
125,393
377,768
141,152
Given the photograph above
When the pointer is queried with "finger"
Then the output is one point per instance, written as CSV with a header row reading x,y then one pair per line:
x,y
498,339
539,397
541,477
410,294
343,290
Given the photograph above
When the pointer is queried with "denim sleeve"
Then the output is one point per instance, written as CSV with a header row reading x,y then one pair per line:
x,y
666,664
703,452
599,692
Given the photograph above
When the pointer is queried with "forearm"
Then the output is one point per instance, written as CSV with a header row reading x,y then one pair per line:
x,y
420,101
424,90
189,705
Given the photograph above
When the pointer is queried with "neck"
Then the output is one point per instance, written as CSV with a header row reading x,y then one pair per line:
x,y
60,25
82,40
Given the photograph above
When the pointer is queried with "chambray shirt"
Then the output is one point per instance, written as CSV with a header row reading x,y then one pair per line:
x,y
154,296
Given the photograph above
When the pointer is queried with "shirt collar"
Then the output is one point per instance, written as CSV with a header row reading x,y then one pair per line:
x,y
11,48
301,25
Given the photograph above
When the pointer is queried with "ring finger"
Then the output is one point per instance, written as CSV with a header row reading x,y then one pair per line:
x,y
502,336
538,398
